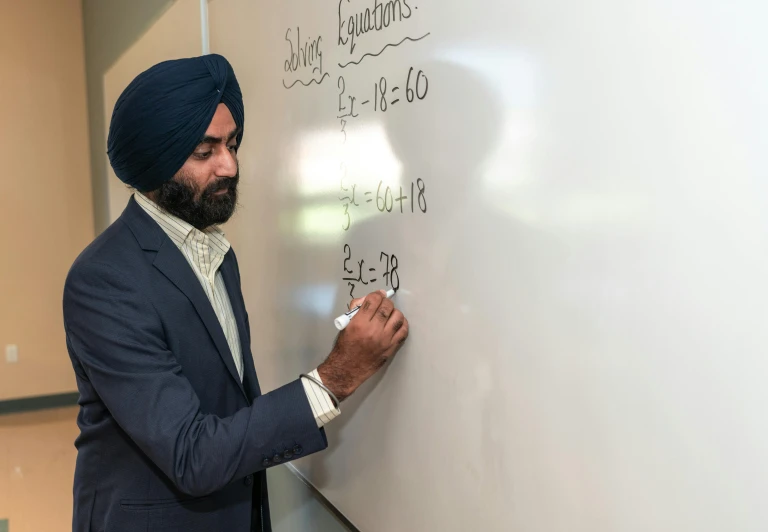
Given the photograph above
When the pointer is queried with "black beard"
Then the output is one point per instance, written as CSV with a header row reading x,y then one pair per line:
x,y
177,197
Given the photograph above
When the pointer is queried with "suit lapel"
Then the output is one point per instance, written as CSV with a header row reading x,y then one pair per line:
x,y
172,264
232,282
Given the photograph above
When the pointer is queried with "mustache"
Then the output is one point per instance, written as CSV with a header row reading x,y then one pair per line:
x,y
222,184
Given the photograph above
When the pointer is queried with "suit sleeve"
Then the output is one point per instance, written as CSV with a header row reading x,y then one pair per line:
x,y
323,409
118,338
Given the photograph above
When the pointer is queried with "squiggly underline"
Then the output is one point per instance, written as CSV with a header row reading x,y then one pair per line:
x,y
306,84
382,51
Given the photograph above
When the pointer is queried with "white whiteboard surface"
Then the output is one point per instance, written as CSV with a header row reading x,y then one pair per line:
x,y
588,288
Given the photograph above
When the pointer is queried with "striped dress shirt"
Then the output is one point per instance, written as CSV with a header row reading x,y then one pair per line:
x,y
205,251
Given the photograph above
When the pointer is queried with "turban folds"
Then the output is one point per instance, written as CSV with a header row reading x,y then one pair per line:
x,y
162,116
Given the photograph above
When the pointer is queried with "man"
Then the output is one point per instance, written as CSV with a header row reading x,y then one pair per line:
x,y
175,433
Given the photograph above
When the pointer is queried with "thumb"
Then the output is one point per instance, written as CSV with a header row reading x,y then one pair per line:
x,y
359,301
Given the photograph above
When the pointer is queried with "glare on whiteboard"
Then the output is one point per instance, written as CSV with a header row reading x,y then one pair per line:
x,y
367,157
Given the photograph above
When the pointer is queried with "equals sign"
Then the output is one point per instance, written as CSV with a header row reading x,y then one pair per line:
x,y
372,270
368,194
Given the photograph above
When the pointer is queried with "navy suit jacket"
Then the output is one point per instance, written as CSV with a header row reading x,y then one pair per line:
x,y
170,438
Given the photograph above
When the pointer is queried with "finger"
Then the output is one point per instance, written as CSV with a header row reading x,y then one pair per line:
x,y
402,334
359,301
398,339
385,310
395,322
371,305
355,302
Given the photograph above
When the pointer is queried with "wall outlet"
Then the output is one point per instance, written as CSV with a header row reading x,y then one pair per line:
x,y
11,354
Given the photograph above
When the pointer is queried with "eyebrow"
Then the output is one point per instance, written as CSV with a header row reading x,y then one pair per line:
x,y
208,139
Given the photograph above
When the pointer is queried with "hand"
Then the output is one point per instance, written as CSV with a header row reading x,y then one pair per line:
x,y
372,337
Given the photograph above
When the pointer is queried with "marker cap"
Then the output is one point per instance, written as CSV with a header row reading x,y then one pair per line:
x,y
341,322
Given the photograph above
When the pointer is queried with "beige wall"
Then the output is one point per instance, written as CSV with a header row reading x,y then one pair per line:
x,y
37,464
45,205
110,28
175,34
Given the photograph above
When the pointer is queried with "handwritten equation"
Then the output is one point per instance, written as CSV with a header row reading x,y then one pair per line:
x,y
385,94
357,273
304,66
387,200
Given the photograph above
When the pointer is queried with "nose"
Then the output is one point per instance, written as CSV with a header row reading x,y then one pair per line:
x,y
226,163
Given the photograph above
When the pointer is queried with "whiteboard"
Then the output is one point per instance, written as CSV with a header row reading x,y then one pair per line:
x,y
582,252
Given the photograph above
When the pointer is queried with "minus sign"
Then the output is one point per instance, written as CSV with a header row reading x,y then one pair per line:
x,y
395,101
371,269
366,101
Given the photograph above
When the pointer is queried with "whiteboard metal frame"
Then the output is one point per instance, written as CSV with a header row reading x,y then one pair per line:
x,y
323,500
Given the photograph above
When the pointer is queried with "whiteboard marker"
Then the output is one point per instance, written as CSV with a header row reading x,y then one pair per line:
x,y
342,321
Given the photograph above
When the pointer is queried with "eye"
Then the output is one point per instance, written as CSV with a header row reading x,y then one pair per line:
x,y
202,156
233,148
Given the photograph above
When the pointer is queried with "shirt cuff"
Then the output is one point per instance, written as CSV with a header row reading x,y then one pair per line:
x,y
319,400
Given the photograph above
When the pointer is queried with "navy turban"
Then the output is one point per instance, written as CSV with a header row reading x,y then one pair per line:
x,y
162,116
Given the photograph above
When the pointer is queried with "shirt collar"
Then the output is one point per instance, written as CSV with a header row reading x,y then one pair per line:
x,y
181,232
